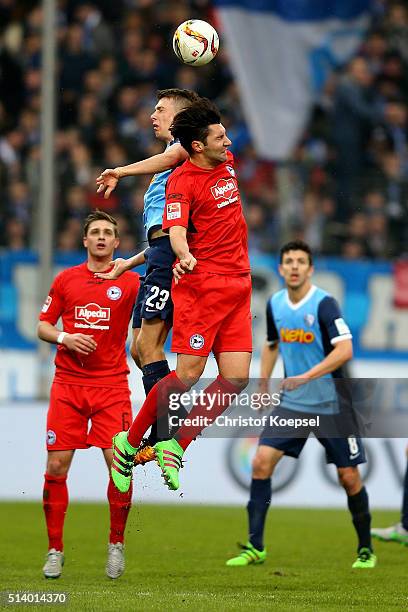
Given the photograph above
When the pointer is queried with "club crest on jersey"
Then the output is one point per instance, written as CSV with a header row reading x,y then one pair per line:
x,y
92,313
230,170
224,188
114,293
46,304
309,319
51,437
196,341
174,210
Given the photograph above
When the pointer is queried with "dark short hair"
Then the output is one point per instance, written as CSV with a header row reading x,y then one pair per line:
x,y
183,97
100,215
193,123
296,245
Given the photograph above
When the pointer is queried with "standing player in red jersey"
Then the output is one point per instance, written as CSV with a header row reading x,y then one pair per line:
x,y
208,234
90,382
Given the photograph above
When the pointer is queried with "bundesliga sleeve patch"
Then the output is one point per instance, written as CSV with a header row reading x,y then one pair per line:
x,y
341,327
46,304
173,211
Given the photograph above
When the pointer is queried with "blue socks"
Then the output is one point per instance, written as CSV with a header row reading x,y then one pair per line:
x,y
258,506
358,506
152,373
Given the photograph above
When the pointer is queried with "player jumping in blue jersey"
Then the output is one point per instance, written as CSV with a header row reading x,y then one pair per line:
x,y
154,308
315,343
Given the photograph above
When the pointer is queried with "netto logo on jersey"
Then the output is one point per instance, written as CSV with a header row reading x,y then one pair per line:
x,y
296,335
92,313
224,188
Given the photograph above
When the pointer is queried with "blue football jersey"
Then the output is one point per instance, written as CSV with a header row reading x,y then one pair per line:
x,y
155,198
306,332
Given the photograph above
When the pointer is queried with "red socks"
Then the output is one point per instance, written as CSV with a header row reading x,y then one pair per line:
x,y
119,507
55,503
224,393
155,404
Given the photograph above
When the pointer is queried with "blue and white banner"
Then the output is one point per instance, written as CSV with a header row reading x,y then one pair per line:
x,y
281,52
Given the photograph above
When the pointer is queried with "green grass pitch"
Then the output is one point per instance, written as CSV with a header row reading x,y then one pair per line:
x,y
175,560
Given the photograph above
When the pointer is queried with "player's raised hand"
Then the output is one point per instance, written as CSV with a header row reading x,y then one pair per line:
x,y
107,181
80,343
119,267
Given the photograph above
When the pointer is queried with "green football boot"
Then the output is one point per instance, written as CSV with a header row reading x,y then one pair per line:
x,y
122,461
366,559
249,555
395,533
169,458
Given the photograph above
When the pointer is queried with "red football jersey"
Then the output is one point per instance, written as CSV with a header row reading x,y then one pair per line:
x,y
102,308
208,204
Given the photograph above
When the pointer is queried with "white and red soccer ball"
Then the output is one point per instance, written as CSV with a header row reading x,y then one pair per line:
x,y
195,42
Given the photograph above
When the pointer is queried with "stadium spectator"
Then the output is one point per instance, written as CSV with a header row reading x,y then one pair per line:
x,y
357,233
11,80
90,382
98,38
356,109
19,203
353,249
303,308
396,28
16,238
379,241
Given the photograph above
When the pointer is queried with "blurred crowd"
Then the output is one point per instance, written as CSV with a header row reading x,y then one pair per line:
x,y
345,190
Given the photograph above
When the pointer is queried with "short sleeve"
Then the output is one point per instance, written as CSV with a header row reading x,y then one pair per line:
x,y
177,209
271,331
331,320
54,304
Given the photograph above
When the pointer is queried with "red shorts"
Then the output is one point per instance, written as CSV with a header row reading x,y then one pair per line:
x,y
212,312
73,406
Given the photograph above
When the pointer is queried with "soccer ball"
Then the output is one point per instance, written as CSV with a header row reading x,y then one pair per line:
x,y
195,42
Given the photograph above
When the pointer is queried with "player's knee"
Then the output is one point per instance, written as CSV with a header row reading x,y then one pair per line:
x,y
261,467
350,480
57,467
241,383
149,349
190,375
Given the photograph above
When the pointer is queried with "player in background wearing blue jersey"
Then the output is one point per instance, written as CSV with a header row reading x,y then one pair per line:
x,y
154,308
398,532
315,343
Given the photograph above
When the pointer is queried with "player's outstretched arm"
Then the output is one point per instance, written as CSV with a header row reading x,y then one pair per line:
x,y
80,343
170,158
121,265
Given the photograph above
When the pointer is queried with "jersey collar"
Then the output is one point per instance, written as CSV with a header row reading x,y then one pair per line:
x,y
302,301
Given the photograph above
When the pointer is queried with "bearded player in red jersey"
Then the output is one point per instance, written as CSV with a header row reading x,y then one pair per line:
x,y
90,382
208,234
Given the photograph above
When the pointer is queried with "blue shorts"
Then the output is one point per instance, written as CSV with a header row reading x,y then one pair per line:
x,y
153,299
347,451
